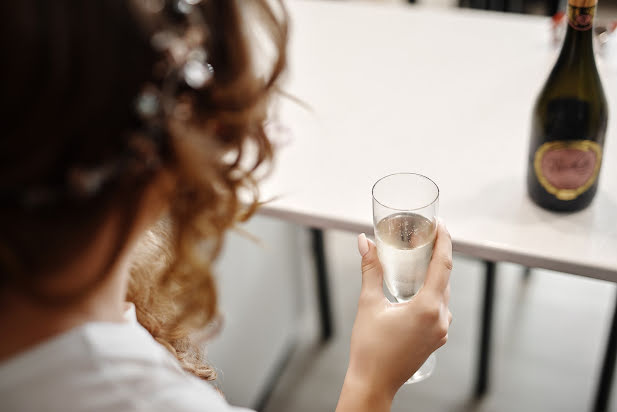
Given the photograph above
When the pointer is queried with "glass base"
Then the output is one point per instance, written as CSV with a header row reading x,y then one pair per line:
x,y
425,370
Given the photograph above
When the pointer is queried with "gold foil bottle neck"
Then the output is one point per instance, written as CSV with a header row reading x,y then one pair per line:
x,y
582,3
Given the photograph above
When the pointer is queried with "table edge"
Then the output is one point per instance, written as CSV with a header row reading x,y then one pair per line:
x,y
489,252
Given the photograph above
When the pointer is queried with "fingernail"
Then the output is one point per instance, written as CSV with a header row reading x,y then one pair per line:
x,y
362,244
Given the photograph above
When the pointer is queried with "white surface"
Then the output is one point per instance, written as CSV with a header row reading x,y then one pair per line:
x,y
103,367
258,296
444,93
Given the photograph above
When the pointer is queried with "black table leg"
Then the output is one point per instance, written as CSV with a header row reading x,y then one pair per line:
x,y
323,290
603,395
485,331
526,273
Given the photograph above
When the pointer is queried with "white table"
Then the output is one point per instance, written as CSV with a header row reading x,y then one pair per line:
x,y
444,93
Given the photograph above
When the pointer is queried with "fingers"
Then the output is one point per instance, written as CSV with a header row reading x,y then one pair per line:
x,y
372,274
438,274
449,318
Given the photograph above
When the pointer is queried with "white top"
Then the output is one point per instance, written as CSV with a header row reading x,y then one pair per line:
x,y
448,94
103,367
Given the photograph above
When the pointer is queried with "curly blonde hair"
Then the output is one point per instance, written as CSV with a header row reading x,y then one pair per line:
x,y
91,63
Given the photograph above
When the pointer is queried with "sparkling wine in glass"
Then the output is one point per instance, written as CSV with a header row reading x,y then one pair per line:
x,y
405,221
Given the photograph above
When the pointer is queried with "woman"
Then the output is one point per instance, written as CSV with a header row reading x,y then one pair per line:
x,y
131,131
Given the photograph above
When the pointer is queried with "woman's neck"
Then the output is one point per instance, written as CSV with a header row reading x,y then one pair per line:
x,y
25,323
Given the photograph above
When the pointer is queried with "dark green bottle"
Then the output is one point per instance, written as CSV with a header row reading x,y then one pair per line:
x,y
569,122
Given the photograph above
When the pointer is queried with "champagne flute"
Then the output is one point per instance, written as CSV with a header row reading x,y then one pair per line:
x,y
405,221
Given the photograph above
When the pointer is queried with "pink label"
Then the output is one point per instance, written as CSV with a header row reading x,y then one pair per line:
x,y
568,168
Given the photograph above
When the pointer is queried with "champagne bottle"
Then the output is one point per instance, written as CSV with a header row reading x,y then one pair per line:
x,y
569,121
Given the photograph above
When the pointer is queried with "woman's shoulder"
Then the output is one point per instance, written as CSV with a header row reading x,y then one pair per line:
x,y
103,367
139,367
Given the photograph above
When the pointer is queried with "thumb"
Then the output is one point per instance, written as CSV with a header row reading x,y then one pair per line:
x,y
372,273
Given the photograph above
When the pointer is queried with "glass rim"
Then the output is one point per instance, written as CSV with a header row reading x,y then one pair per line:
x,y
409,174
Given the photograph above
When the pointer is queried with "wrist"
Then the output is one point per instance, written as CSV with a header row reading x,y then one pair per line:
x,y
360,394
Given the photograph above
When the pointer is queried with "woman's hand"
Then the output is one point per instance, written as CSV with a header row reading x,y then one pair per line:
x,y
390,341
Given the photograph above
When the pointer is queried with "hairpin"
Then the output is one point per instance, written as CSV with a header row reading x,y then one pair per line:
x,y
184,57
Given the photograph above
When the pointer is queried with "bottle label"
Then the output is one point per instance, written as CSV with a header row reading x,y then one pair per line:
x,y
581,18
568,168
